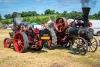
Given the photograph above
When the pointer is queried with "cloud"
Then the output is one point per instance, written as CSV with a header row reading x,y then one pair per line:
x,y
56,4
64,3
69,1
8,1
38,0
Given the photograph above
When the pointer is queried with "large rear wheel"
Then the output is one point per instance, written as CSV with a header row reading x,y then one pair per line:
x,y
20,42
53,42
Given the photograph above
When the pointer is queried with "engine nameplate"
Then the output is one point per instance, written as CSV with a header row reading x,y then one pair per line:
x,y
45,37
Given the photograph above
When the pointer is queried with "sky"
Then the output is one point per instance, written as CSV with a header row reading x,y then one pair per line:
x,y
10,6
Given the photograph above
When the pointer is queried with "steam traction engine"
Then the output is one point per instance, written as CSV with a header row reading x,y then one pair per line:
x,y
77,35
23,37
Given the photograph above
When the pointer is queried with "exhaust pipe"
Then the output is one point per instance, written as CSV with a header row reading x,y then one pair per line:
x,y
86,11
14,20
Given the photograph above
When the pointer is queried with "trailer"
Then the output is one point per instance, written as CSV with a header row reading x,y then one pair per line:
x,y
95,26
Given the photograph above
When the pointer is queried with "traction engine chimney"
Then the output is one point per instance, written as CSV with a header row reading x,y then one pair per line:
x,y
85,15
14,19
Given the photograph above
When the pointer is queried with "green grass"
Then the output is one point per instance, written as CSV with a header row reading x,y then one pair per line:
x,y
59,57
40,16
43,16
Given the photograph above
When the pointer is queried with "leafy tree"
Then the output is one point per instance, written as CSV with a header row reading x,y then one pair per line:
x,y
42,14
52,17
5,21
48,11
99,15
95,16
57,12
0,17
38,20
59,15
52,11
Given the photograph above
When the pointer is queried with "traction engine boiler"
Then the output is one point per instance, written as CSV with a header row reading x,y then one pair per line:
x,y
77,33
81,29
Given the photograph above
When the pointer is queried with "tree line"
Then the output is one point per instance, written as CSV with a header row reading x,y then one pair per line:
x,y
30,16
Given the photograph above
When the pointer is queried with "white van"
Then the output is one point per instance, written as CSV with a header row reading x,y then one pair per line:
x,y
95,26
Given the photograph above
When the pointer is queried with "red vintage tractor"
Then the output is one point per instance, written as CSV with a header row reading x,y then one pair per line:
x,y
23,37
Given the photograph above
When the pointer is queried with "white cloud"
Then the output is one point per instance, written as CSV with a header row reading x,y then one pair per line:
x,y
38,0
69,1
55,4
8,1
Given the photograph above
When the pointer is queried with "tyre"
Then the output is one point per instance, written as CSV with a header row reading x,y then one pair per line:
x,y
53,38
20,42
7,43
79,46
92,45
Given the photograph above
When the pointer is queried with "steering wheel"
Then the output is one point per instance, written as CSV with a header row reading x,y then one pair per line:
x,y
61,24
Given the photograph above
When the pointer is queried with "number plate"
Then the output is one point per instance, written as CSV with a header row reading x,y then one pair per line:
x,y
45,37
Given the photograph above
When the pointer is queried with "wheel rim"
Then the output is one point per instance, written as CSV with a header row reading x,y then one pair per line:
x,y
92,45
18,42
6,43
68,44
79,46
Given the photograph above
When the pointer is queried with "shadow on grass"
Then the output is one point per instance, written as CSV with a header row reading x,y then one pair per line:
x,y
35,51
44,50
31,50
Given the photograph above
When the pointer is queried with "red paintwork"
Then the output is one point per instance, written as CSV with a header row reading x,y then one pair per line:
x,y
61,37
78,23
49,42
18,42
6,42
36,30
60,32
61,24
90,24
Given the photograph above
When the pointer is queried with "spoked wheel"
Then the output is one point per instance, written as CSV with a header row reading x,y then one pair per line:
x,y
7,43
79,46
68,43
92,45
61,24
20,42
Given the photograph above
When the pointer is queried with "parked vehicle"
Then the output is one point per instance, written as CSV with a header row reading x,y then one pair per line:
x,y
95,26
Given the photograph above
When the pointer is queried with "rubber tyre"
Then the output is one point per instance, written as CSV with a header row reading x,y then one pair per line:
x,y
7,43
53,38
24,45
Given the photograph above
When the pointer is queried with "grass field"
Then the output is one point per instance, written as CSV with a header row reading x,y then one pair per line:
x,y
40,16
45,58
